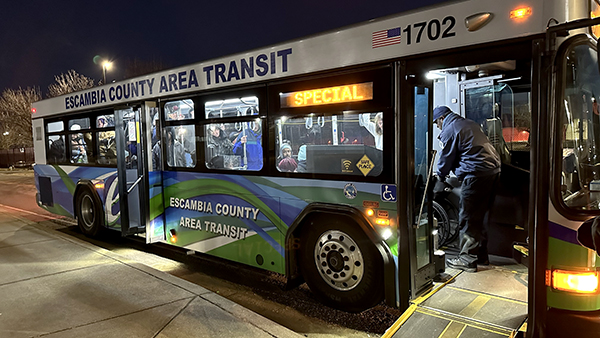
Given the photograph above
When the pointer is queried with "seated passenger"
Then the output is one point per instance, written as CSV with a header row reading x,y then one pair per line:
x,y
288,164
302,159
285,161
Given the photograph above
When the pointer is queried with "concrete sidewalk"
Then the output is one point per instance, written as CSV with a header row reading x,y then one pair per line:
x,y
54,285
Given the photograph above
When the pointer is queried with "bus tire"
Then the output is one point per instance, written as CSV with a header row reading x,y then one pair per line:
x,y
89,212
340,264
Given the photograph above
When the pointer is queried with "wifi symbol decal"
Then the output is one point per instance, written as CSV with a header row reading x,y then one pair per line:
x,y
347,166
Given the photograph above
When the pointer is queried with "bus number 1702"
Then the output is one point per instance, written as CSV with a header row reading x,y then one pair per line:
x,y
434,29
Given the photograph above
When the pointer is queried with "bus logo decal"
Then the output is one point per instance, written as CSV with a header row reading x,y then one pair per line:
x,y
388,192
350,191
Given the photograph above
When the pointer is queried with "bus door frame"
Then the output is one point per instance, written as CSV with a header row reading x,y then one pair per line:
x,y
413,279
134,208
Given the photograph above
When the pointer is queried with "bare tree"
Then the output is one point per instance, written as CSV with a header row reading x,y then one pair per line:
x,y
68,83
15,117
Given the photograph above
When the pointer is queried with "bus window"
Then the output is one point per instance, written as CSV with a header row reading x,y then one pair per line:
x,y
179,110
56,149
231,107
83,123
181,146
347,144
107,148
492,107
54,127
236,145
580,130
105,121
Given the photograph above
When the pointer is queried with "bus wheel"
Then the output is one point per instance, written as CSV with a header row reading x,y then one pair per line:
x,y
342,266
89,212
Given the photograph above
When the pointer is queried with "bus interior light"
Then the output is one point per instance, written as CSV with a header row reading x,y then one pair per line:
x,y
520,13
575,281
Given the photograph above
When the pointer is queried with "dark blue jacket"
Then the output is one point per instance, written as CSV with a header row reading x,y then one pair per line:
x,y
466,149
253,149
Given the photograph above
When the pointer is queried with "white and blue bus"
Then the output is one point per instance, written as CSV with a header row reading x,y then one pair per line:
x,y
312,158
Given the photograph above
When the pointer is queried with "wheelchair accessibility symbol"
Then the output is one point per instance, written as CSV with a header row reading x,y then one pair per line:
x,y
388,192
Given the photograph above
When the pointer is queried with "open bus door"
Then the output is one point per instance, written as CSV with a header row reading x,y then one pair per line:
x,y
134,136
416,260
492,301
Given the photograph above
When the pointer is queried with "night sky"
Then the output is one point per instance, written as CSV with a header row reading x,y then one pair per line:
x,y
41,39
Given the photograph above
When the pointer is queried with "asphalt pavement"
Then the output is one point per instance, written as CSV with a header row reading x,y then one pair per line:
x,y
54,285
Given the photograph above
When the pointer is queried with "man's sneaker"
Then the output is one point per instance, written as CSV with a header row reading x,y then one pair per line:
x,y
457,263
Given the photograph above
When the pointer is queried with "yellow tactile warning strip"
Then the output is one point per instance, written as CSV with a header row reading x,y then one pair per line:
x,y
450,312
474,306
453,329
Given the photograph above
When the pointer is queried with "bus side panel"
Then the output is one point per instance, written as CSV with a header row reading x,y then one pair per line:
x,y
64,182
564,251
243,219
227,216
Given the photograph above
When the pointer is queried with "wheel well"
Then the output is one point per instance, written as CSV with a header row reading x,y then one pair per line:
x,y
318,212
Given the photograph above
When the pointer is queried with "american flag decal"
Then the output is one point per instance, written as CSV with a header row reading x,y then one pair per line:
x,y
386,37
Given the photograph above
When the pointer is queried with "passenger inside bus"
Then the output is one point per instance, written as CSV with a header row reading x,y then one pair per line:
x,y
181,146
248,145
56,151
78,146
301,159
285,161
375,128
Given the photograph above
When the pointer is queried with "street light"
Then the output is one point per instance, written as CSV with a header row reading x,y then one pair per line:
x,y
106,65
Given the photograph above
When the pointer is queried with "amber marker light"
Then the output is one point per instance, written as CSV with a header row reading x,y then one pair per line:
x,y
370,212
575,281
382,221
173,234
99,185
520,13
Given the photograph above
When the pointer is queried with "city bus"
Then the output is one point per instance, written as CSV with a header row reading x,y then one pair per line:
x,y
314,159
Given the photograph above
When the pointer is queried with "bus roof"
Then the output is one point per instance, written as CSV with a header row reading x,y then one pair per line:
x,y
435,28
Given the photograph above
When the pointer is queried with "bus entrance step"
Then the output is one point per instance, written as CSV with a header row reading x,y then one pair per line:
x,y
521,253
466,308
427,323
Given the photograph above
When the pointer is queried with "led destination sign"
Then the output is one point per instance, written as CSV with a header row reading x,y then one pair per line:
x,y
330,95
